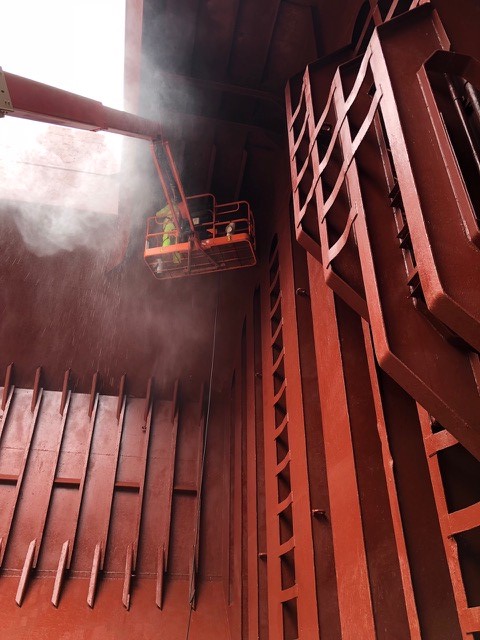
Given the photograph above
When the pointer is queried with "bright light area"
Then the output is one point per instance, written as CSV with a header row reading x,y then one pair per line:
x,y
79,46
76,45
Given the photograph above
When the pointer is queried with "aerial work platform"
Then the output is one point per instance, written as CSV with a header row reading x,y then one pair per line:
x,y
195,235
223,238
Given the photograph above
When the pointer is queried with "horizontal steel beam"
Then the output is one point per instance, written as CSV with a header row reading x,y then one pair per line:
x,y
213,85
37,101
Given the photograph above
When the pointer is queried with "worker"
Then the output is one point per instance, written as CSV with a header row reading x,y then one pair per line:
x,y
169,231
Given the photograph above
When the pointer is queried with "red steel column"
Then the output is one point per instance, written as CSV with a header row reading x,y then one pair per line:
x,y
327,597
356,613
251,480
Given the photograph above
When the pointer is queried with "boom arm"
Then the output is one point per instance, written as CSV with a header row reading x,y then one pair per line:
x,y
24,98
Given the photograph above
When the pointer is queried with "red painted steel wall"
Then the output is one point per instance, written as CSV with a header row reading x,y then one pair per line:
x,y
403,536
391,493
125,478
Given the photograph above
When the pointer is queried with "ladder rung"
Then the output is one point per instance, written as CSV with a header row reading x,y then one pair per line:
x,y
413,278
289,594
404,236
274,255
277,332
464,519
413,281
470,619
438,441
280,391
395,196
278,361
281,466
276,305
279,430
274,281
281,506
297,109
286,546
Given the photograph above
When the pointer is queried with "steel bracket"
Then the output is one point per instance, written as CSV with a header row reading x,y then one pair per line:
x,y
5,100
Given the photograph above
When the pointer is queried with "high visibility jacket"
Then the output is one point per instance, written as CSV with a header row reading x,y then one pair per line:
x,y
166,211
168,238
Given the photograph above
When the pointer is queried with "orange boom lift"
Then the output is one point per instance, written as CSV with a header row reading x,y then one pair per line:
x,y
203,236
206,236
